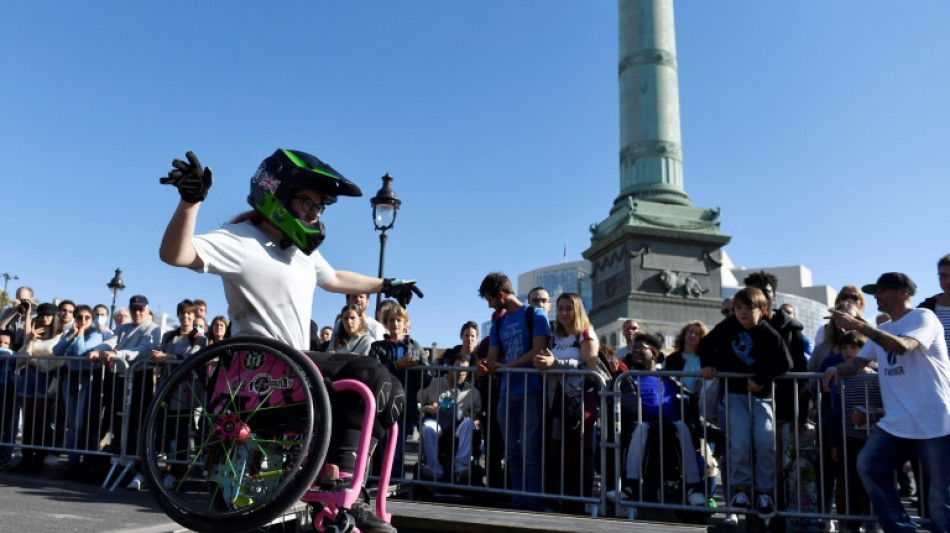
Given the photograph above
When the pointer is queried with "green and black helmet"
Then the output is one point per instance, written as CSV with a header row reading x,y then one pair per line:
x,y
277,181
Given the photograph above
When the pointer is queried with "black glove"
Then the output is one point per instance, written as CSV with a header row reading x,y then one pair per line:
x,y
191,179
401,290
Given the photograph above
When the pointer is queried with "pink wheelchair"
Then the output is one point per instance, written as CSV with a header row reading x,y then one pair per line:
x,y
239,432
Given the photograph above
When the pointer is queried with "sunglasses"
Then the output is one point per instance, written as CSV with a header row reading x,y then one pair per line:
x,y
852,297
726,312
83,318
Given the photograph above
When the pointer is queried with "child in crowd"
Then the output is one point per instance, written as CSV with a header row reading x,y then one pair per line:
x,y
745,343
851,425
399,354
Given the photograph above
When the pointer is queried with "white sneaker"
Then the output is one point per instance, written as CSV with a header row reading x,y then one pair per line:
x,y
731,520
169,481
51,460
136,483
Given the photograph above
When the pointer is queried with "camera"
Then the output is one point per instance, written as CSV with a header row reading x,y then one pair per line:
x,y
24,306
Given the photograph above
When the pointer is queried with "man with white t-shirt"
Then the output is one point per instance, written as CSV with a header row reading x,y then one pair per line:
x,y
914,374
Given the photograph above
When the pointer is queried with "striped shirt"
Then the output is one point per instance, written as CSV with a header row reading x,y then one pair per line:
x,y
864,391
943,315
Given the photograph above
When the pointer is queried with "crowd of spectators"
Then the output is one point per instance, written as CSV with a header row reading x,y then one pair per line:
x,y
525,421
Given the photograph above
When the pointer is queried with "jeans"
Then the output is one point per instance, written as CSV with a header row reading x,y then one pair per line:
x,y
520,417
75,388
882,455
690,460
430,433
751,432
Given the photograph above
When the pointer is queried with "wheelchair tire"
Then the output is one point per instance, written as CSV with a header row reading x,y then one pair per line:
x,y
236,435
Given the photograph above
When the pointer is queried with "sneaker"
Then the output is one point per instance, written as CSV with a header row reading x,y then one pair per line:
x,y
462,476
169,481
428,474
712,503
731,520
136,483
367,520
740,499
696,498
764,506
632,491
51,460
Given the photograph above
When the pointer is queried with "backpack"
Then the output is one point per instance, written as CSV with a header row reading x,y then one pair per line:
x,y
529,323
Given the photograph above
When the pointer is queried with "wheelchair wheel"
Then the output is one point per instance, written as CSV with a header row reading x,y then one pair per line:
x,y
236,435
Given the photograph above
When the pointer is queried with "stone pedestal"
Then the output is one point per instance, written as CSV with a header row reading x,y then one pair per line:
x,y
658,263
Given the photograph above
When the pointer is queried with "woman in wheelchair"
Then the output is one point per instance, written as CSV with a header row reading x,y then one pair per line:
x,y
268,261
661,450
448,404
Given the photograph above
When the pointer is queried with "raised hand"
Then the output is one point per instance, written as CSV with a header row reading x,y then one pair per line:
x,y
191,179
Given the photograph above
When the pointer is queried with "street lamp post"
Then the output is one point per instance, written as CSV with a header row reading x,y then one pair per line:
x,y
6,279
385,206
115,285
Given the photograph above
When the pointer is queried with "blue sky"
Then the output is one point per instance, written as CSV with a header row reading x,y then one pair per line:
x,y
819,128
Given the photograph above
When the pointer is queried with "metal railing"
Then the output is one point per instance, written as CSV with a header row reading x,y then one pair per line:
x,y
577,463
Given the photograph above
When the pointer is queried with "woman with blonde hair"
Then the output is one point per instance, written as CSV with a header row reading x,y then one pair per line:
x,y
572,406
849,294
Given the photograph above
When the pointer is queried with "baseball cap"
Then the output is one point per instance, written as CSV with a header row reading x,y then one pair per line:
x,y
138,301
892,280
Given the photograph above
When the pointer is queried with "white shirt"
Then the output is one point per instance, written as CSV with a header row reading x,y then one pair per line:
x,y
269,290
915,386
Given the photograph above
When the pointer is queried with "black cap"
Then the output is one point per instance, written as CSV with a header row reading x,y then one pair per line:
x,y
892,280
138,301
654,342
46,309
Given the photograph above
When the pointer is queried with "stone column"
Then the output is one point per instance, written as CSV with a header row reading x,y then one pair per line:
x,y
651,156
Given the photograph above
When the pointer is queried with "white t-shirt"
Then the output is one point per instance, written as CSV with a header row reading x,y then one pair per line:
x,y
915,386
568,356
269,290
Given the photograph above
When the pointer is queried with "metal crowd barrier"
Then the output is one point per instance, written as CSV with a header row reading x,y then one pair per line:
x,y
567,473
99,412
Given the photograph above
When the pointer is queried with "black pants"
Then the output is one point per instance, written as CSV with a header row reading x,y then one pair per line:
x,y
348,407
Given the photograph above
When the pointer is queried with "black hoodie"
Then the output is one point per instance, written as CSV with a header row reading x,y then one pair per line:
x,y
791,331
759,351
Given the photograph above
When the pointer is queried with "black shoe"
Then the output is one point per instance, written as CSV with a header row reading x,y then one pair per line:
x,y
367,520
